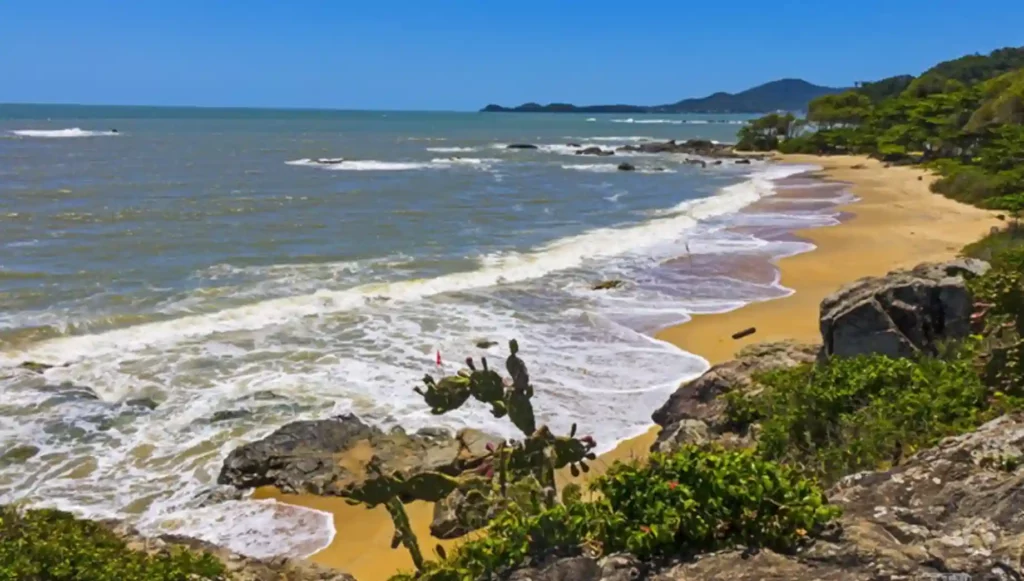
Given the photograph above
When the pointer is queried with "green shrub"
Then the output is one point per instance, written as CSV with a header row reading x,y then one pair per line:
x,y
862,413
1001,294
49,545
701,499
1004,248
694,500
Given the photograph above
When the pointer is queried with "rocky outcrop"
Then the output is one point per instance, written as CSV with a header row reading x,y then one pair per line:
x,y
239,567
626,167
521,146
322,456
595,151
695,410
902,313
695,147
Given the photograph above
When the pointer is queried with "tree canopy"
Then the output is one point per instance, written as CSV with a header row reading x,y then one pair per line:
x,y
964,118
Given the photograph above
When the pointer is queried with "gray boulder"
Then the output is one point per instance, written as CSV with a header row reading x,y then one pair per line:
x,y
323,456
902,313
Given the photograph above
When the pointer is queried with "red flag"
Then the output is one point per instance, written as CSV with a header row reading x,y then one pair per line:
x,y
439,359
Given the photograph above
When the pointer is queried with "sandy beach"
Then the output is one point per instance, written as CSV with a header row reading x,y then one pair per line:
x,y
896,223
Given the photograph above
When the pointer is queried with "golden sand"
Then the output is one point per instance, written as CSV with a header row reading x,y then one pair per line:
x,y
897,223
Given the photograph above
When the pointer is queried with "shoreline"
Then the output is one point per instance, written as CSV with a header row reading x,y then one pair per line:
x,y
896,222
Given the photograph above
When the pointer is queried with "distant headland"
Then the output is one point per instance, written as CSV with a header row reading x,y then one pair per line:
x,y
781,95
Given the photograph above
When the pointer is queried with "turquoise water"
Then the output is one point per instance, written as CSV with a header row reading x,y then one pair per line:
x,y
203,259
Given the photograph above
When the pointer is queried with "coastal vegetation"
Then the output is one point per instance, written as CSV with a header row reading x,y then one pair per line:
x,y
50,545
811,423
962,118
869,412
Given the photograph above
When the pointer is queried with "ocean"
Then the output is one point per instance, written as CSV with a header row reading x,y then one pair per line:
x,y
205,260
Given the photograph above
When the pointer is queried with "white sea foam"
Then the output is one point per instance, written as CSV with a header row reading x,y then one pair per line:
x,y
340,164
617,139
57,133
337,164
262,529
592,167
451,149
442,161
650,121
591,119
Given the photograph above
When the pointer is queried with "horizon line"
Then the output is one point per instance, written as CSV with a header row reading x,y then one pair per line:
x,y
232,107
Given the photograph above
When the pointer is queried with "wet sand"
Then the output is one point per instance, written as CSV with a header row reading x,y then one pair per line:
x,y
897,223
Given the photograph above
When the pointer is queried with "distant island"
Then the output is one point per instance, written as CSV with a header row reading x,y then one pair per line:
x,y
781,95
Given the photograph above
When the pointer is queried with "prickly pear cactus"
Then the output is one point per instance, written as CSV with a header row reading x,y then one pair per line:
x,y
446,395
517,398
487,387
517,472
404,534
428,486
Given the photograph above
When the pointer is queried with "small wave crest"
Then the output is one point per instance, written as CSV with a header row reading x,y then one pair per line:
x,y
559,255
650,121
339,164
58,133
451,149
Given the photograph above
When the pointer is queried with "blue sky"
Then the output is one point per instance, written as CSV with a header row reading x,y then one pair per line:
x,y
461,55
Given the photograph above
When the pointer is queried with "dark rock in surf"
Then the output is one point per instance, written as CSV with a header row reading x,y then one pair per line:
x,y
626,167
743,161
141,403
595,152
227,415
521,146
36,367
18,454
485,344
608,284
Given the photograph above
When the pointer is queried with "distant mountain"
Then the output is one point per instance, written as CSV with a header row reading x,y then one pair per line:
x,y
784,95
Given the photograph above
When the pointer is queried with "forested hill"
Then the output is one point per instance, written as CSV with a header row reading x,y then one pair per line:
x,y
962,118
781,95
